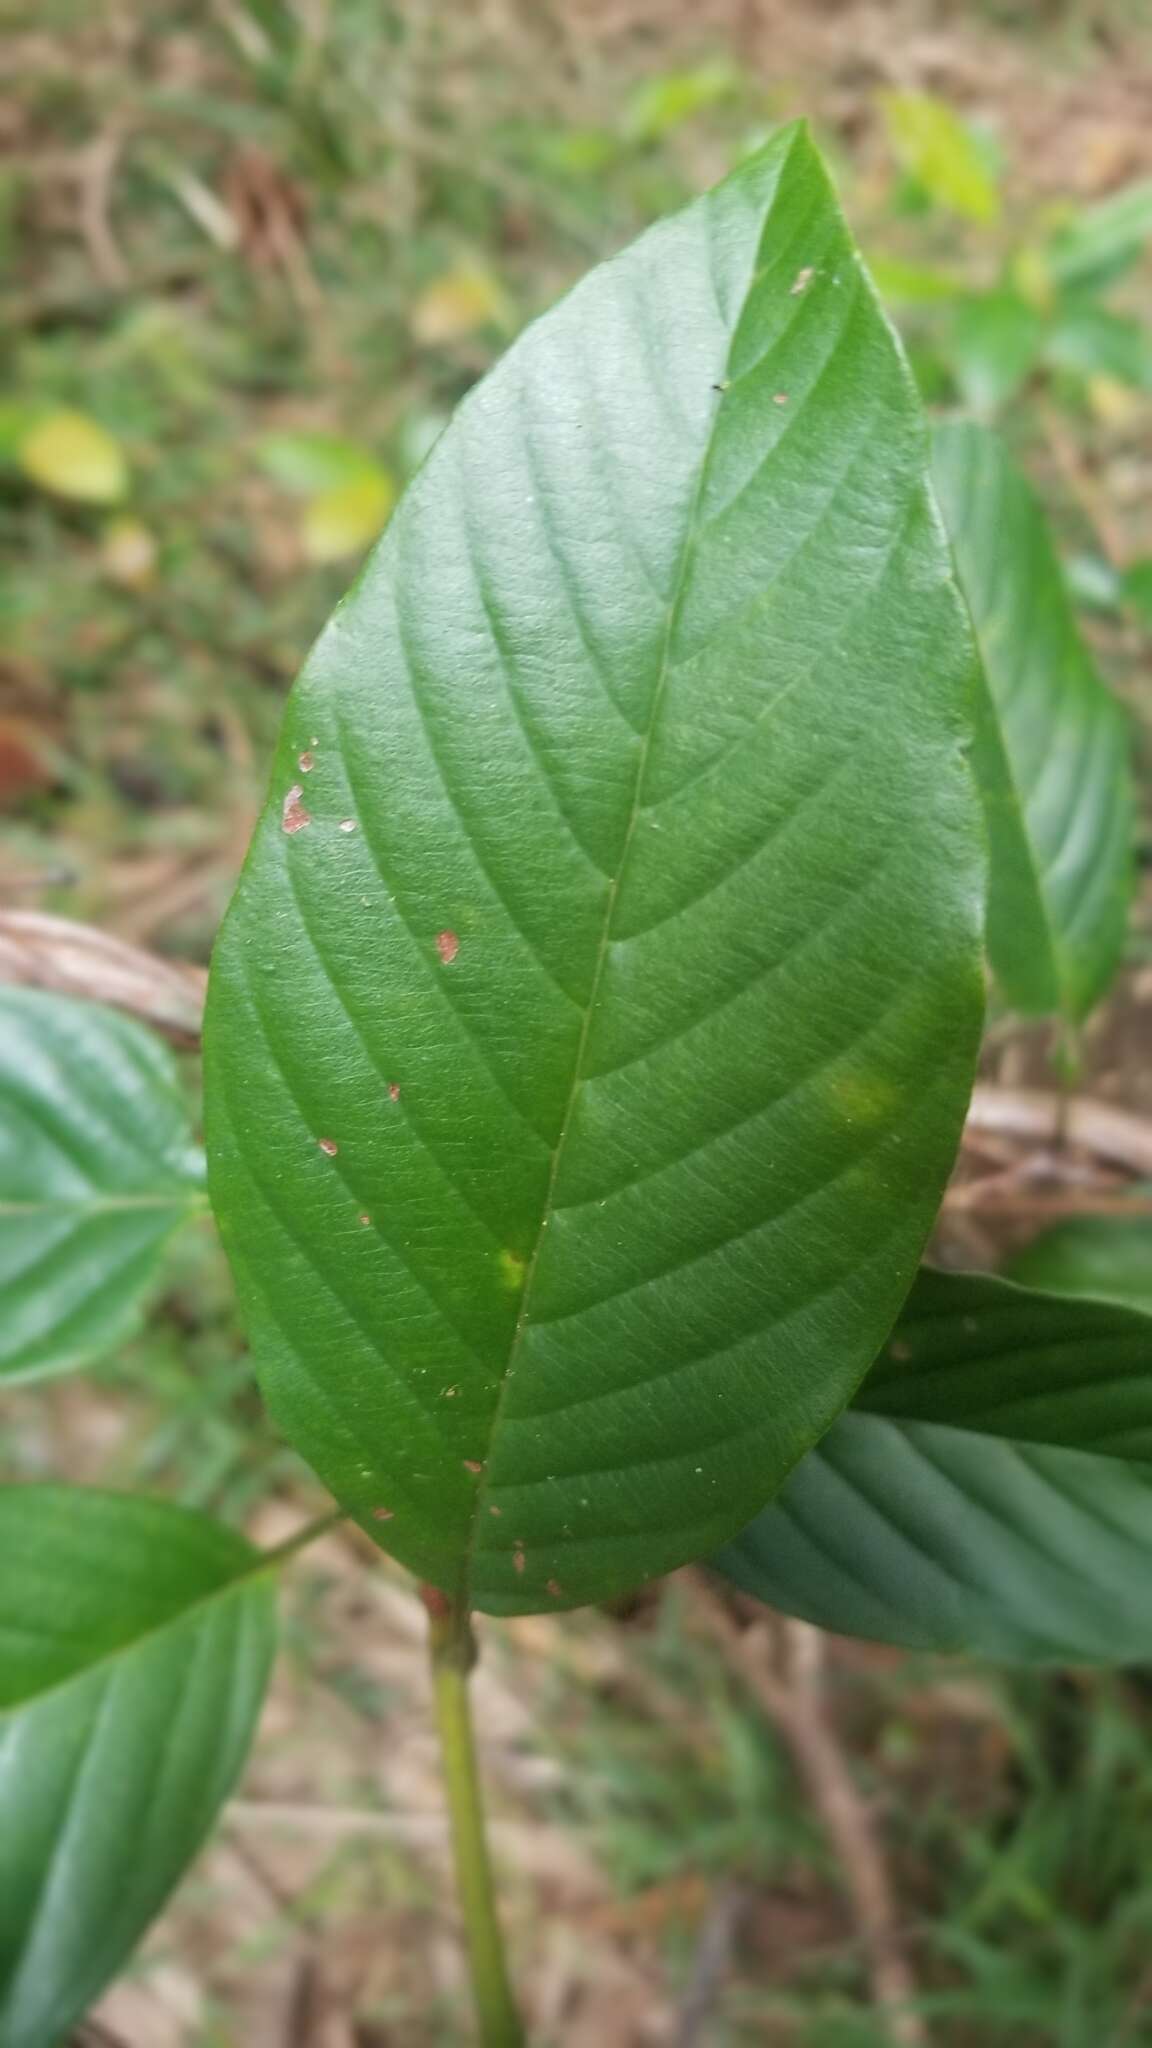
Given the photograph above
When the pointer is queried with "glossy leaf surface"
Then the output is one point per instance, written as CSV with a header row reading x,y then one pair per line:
x,y
97,1168
990,1489
134,1648
591,1030
1053,746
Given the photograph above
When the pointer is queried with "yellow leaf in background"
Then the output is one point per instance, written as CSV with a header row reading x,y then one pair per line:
x,y
344,520
128,554
309,463
73,456
1032,277
1116,404
942,154
458,303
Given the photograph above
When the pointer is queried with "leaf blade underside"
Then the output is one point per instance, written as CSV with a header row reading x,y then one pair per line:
x,y
97,1169
1052,748
608,941
136,1639
989,1490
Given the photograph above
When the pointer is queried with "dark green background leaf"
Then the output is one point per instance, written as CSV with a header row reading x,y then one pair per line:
x,y
1053,747
134,1649
1106,1256
948,1508
97,1168
988,1355
590,1034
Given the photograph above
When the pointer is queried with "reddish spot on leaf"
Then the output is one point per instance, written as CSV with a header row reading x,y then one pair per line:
x,y
473,1464
294,817
393,1091
555,1588
802,280
306,763
447,945
779,398
382,1514
328,1146
495,1511
517,1560
364,1218
437,1603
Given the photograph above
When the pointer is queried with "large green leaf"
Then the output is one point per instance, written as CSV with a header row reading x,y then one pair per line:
x,y
97,1168
1052,748
135,1640
590,1033
989,1490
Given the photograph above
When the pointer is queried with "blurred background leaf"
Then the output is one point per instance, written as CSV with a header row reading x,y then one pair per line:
x,y
1095,243
460,302
942,153
343,520
75,457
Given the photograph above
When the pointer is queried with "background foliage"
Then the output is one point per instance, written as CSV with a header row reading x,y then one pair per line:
x,y
252,254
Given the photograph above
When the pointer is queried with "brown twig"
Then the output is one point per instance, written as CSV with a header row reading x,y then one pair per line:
x,y
1025,1201
41,951
711,1964
780,1661
96,169
1112,1134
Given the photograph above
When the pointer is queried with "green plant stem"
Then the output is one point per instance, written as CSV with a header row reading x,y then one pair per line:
x,y
453,1654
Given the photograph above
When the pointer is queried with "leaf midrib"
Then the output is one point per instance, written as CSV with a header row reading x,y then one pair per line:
x,y
675,605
